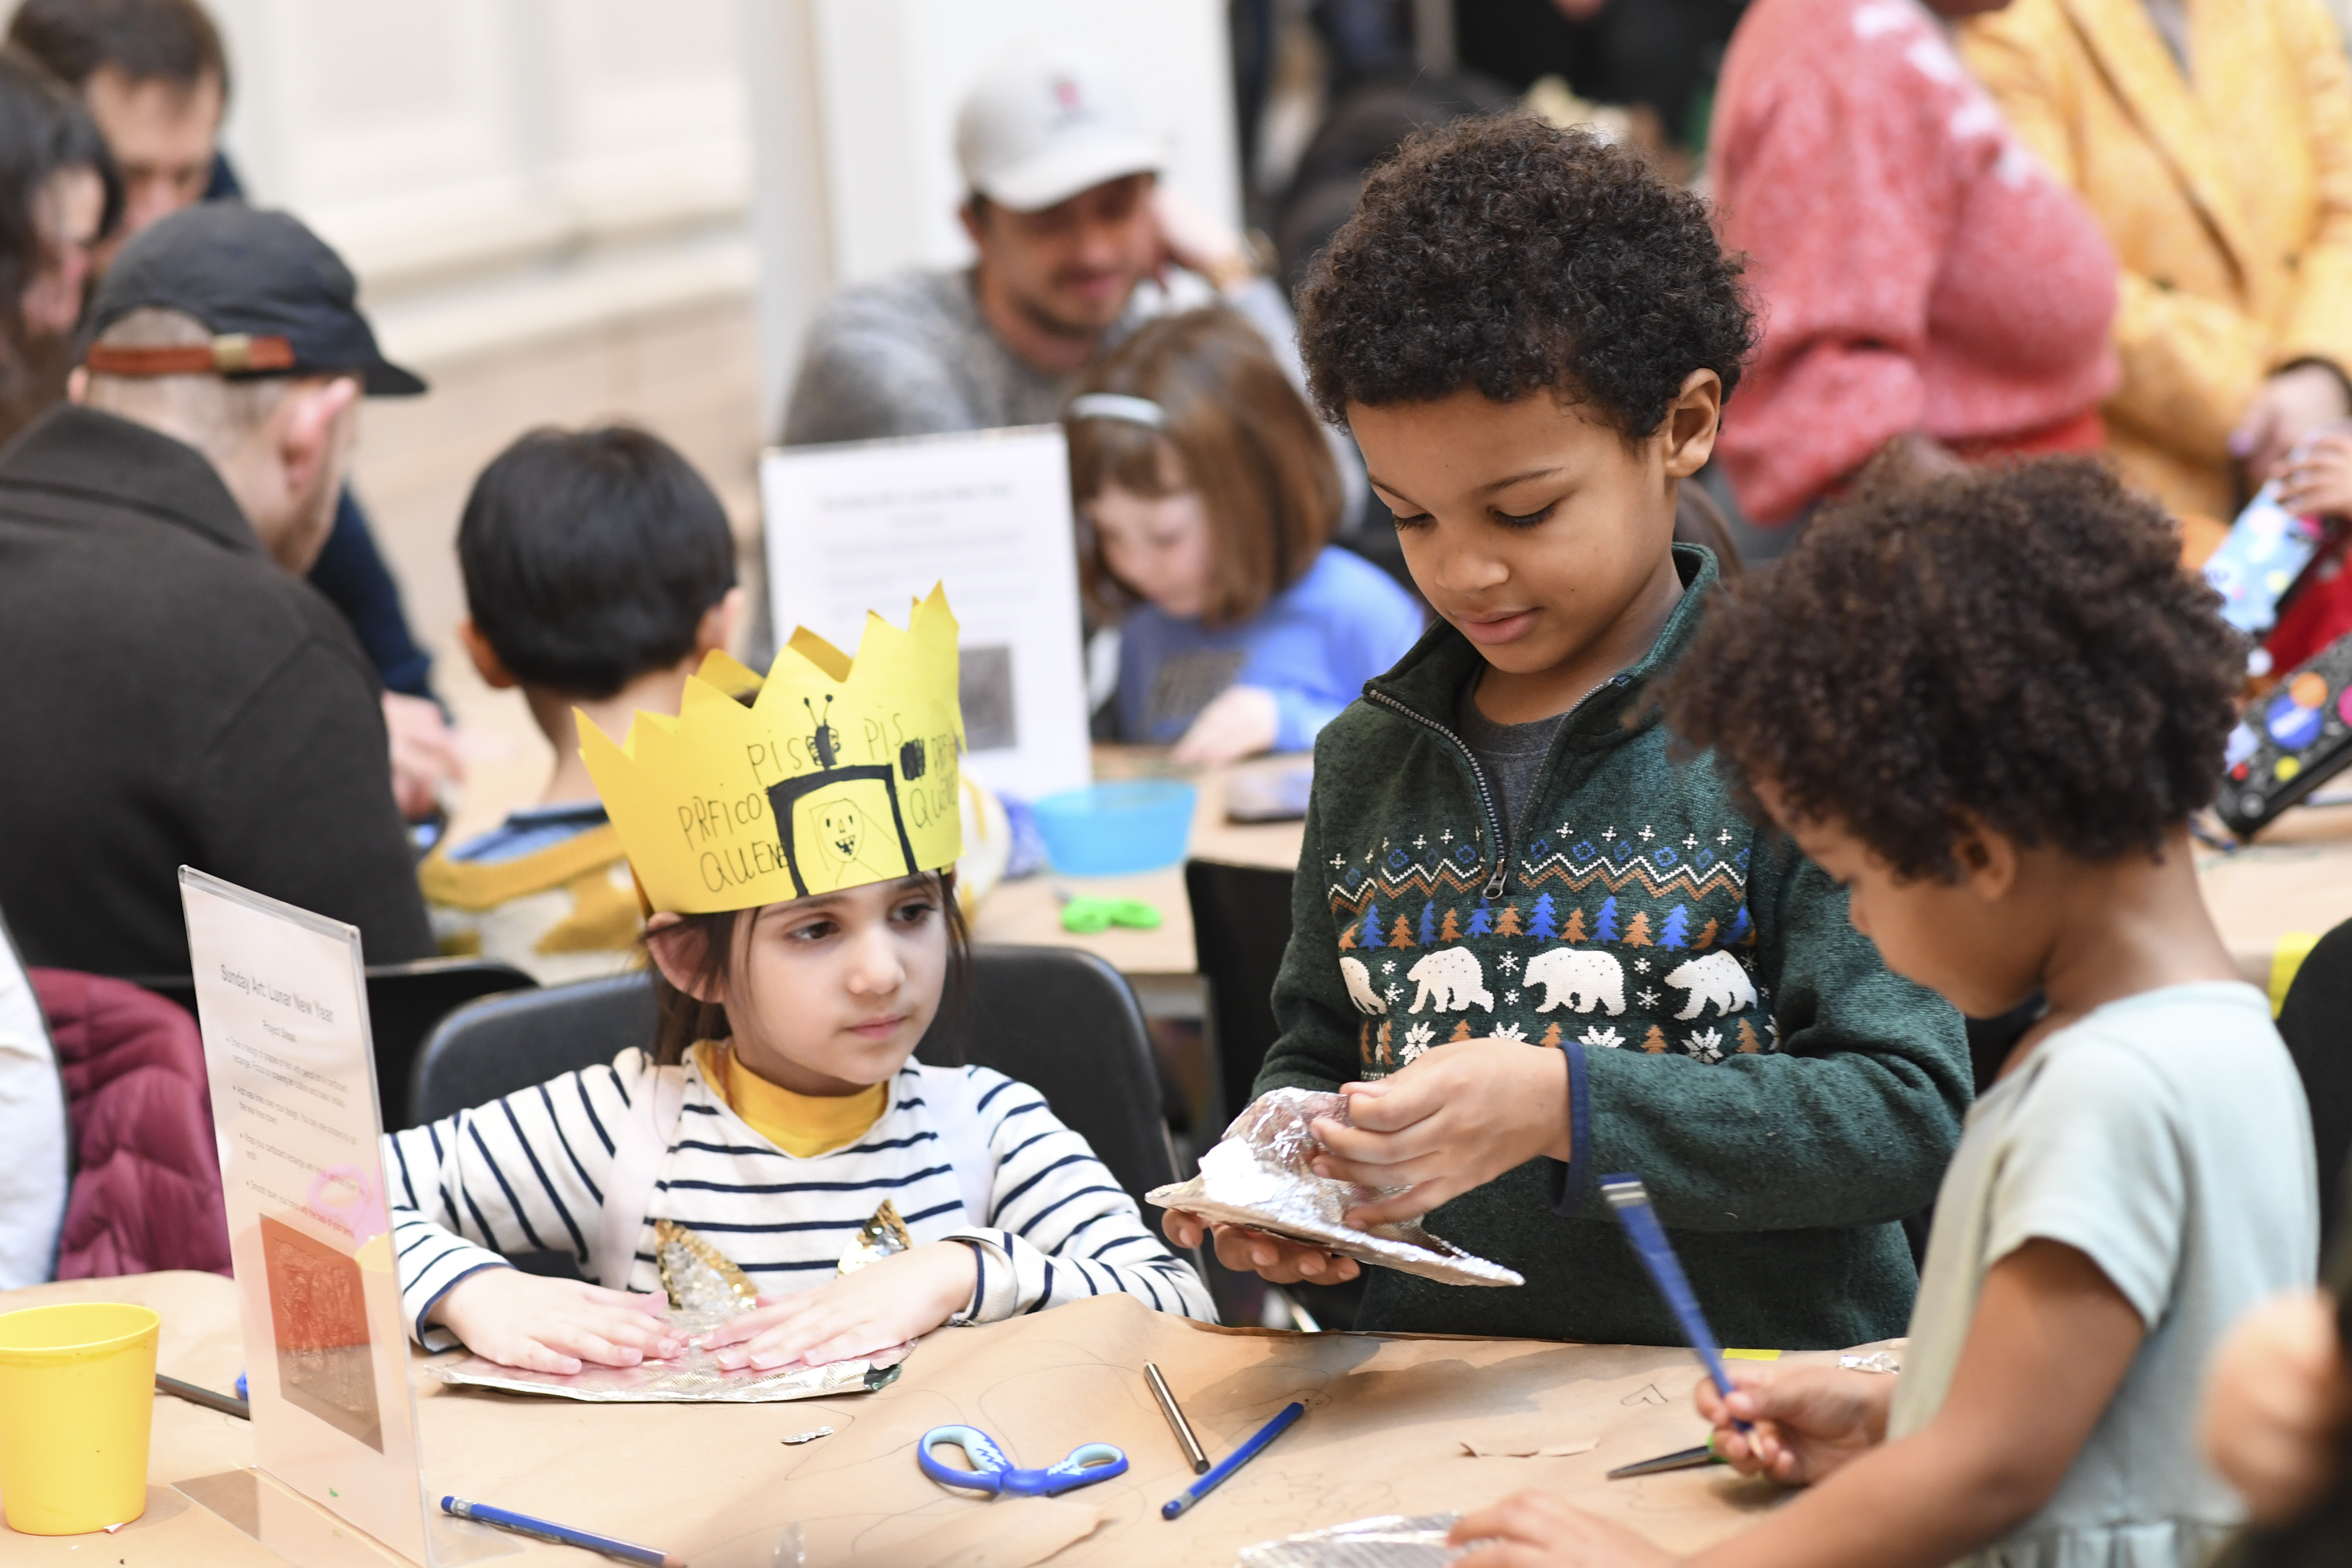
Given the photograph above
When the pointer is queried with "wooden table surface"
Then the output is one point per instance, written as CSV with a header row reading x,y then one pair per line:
x,y
1387,1423
1029,910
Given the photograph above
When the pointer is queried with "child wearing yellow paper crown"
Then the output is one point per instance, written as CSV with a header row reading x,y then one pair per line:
x,y
797,855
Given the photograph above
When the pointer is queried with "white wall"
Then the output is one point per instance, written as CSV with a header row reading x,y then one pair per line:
x,y
855,102
498,168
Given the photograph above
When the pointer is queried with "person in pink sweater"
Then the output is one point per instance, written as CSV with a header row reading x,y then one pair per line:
x,y
1924,281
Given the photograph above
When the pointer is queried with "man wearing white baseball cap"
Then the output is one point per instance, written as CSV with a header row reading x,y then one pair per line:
x,y
1064,208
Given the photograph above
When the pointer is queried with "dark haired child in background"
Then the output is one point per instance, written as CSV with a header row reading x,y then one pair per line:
x,y
1531,336
1211,496
1988,705
599,571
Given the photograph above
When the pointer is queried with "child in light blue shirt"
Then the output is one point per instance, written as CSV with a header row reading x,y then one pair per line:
x,y
1986,704
1209,493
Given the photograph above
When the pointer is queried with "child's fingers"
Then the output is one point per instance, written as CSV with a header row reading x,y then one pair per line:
x,y
1281,1262
1182,1229
1412,1203
1373,1146
1411,1096
574,1338
532,1356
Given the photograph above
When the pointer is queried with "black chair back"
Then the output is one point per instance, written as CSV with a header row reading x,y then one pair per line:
x,y
1062,1021
1068,1024
2316,1021
502,1043
404,1002
1241,927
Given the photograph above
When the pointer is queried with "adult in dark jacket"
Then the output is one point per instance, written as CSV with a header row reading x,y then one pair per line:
x,y
156,79
173,692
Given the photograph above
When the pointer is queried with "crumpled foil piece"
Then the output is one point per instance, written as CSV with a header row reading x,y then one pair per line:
x,y
694,1378
1259,1175
884,1236
698,1276
1877,1360
1390,1540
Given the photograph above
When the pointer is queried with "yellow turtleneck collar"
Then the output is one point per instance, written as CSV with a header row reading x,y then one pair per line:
x,y
803,1125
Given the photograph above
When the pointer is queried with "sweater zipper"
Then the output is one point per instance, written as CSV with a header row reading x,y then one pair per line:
x,y
1478,774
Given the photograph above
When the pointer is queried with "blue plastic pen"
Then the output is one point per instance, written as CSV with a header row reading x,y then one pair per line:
x,y
1234,1461
1631,1201
561,1534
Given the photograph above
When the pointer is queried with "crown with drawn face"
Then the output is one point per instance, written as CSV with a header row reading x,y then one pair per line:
x,y
838,772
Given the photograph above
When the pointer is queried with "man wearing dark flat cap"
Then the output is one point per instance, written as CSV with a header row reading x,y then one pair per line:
x,y
171,692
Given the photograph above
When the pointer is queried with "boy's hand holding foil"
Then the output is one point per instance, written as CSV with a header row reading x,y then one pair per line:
x,y
1455,1118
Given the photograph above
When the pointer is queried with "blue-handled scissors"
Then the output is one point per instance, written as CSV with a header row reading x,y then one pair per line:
x,y
993,1472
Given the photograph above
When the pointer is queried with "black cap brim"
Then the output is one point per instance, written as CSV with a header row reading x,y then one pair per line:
x,y
386,379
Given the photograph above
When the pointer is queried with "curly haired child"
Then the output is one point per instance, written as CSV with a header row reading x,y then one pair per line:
x,y
1988,705
1530,336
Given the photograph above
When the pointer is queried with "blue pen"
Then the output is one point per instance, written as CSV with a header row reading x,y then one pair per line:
x,y
561,1534
1234,1461
1631,1201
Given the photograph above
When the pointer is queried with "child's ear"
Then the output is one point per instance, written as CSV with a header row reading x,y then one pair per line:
x,y
487,662
1989,860
1692,420
716,634
681,953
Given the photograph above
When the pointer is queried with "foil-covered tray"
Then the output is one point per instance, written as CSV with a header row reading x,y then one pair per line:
x,y
693,1378
1390,1540
1260,1176
705,1289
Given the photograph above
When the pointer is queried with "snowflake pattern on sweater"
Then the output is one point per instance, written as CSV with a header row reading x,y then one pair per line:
x,y
1634,937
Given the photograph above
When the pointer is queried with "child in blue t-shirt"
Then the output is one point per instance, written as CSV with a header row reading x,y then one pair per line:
x,y
1208,494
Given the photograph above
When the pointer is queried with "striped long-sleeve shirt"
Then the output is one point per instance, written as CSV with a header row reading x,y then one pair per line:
x,y
527,1174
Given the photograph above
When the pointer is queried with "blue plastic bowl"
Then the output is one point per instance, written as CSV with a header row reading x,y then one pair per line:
x,y
1105,829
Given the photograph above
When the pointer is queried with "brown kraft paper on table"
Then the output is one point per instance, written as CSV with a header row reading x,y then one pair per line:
x,y
1383,1433
1386,1421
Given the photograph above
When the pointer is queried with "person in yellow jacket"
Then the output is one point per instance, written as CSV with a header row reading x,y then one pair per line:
x,y
2213,138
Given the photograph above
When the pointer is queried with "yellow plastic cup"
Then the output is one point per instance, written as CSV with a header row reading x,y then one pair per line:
x,y
77,1404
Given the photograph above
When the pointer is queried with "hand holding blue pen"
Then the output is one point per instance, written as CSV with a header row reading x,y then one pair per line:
x,y
1631,1201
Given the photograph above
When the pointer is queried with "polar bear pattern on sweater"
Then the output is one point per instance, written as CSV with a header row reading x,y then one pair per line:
x,y
1714,977
1578,979
1453,977
1359,987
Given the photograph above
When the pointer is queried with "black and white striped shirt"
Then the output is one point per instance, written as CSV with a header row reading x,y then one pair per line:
x,y
527,1174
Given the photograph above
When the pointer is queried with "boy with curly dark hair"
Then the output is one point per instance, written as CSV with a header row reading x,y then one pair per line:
x,y
1988,705
1532,337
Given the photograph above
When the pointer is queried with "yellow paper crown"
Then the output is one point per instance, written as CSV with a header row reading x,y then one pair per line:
x,y
839,773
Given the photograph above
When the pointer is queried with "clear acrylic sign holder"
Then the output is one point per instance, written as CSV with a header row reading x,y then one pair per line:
x,y
281,997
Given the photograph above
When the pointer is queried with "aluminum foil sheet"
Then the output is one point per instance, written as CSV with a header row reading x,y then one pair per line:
x,y
1259,1175
694,1378
1390,1540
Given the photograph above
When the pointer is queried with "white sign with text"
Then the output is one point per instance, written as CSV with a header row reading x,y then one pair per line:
x,y
872,525
282,1001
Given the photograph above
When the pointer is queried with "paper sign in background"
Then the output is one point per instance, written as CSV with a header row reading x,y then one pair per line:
x,y
872,525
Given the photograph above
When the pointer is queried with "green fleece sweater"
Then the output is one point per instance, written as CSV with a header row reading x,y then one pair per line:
x,y
1730,1037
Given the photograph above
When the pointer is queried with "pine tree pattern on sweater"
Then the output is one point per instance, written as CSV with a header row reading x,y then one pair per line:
x,y
1672,896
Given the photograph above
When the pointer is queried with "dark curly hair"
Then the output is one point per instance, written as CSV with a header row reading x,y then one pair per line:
x,y
2020,647
1502,254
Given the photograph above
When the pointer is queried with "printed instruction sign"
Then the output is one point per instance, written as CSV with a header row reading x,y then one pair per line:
x,y
282,1001
872,525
